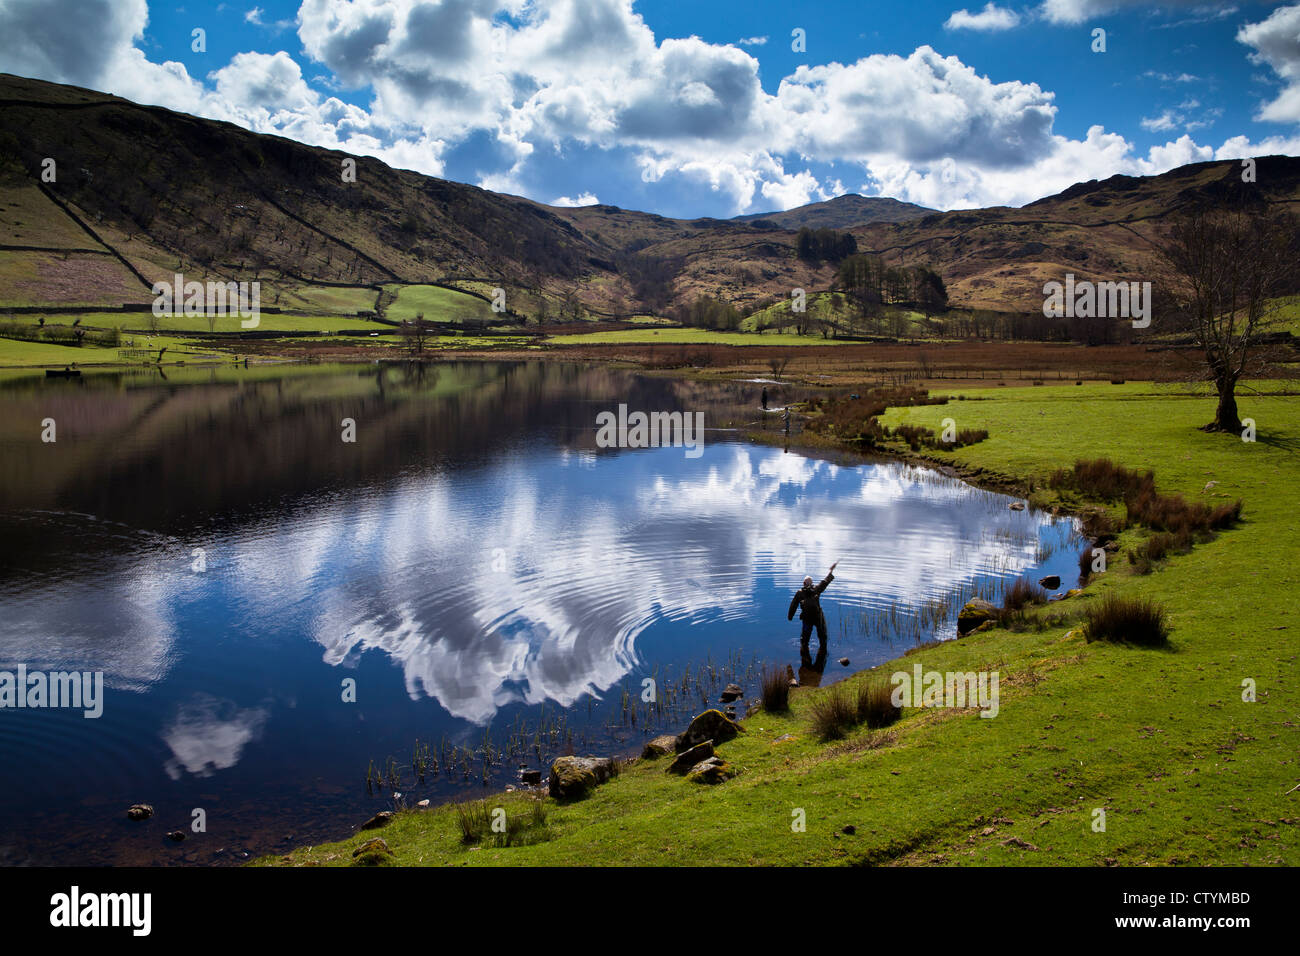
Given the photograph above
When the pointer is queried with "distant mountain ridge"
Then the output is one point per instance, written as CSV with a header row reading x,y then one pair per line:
x,y
142,192
842,212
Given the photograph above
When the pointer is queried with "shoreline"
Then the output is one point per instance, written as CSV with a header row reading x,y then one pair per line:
x,y
977,478
1056,750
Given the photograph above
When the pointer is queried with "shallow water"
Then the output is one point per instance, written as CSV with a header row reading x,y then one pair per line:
x,y
492,582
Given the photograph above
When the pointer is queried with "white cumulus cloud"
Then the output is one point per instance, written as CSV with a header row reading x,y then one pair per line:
x,y
583,78
992,18
1276,42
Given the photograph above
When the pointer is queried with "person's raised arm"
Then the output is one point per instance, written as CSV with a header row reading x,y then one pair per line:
x,y
830,576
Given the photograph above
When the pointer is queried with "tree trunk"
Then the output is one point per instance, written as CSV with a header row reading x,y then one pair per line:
x,y
1225,417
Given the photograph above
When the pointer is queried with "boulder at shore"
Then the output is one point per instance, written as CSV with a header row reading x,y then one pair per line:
x,y
661,746
976,612
575,777
1052,582
687,759
711,725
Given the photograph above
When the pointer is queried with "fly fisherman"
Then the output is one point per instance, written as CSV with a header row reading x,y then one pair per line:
x,y
808,600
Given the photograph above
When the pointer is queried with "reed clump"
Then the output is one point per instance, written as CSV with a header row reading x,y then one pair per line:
x,y
1127,620
776,691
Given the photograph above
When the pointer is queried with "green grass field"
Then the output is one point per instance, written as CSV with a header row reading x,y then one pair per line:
x,y
15,353
1288,315
267,322
1186,772
437,304
330,300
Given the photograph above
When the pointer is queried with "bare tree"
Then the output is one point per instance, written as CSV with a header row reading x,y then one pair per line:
x,y
777,363
415,332
1224,269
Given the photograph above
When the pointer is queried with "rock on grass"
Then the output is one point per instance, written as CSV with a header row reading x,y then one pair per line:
x,y
374,852
574,777
976,611
712,770
711,725
687,759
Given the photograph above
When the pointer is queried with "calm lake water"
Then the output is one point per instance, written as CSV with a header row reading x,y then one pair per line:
x,y
494,586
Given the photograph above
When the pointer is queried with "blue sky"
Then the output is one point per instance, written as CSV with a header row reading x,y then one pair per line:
x,y
693,109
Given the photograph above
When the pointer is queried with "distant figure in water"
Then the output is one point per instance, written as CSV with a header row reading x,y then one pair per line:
x,y
809,601
764,399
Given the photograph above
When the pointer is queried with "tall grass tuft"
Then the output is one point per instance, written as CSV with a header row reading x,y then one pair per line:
x,y
1085,565
1103,479
776,691
839,709
1017,598
834,712
476,817
1021,594
1173,513
1127,620
875,705
474,820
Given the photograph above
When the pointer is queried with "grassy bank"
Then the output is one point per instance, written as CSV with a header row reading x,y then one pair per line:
x,y
1160,739
690,337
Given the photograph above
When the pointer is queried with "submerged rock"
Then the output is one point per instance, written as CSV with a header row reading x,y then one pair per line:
x,y
380,819
713,770
531,778
575,777
1051,582
176,836
731,692
687,759
140,811
844,662
711,725
1017,506
973,614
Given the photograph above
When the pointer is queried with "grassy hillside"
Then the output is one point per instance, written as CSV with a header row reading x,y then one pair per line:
x,y
1161,740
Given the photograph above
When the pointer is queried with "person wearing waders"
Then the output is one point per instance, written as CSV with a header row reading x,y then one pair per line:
x,y
808,600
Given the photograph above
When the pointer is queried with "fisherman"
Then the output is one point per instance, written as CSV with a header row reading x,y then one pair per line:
x,y
808,600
